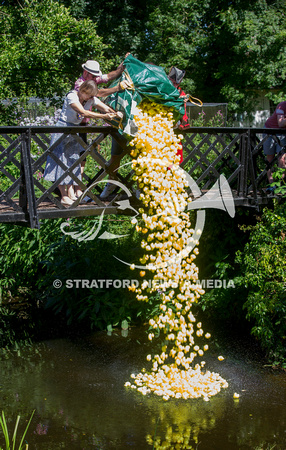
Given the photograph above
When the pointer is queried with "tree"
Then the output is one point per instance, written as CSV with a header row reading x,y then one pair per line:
x,y
231,50
121,23
43,47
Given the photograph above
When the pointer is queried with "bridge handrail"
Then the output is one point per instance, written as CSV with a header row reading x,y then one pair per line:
x,y
237,152
110,129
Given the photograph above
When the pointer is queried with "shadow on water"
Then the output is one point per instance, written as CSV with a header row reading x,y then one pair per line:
x,y
76,387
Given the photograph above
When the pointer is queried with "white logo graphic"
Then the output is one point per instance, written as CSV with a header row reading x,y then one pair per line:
x,y
218,197
93,232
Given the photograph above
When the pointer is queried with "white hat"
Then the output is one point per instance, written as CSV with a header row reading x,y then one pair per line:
x,y
92,67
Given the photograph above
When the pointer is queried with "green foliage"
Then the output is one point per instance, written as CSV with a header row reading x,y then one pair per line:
x,y
42,49
279,181
21,250
221,239
231,51
122,24
11,168
219,44
95,305
10,444
16,329
30,261
263,266
251,252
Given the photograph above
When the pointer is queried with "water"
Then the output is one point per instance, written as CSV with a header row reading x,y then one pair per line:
x,y
77,390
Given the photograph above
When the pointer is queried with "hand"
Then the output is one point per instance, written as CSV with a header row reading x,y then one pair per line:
x,y
110,116
282,161
121,65
186,98
124,85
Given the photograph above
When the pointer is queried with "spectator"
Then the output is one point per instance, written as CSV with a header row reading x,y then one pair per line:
x,y
76,106
271,146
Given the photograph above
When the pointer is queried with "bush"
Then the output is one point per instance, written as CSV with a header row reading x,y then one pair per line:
x,y
252,255
21,252
71,260
221,239
30,261
263,266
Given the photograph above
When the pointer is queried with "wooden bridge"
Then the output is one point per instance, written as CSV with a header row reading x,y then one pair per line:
x,y
26,198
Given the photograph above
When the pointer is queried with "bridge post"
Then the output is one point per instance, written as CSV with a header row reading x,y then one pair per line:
x,y
243,156
27,199
251,146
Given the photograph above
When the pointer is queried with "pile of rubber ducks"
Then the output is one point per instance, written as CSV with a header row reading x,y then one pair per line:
x,y
168,260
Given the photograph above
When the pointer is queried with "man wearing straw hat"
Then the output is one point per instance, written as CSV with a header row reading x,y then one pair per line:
x,y
91,71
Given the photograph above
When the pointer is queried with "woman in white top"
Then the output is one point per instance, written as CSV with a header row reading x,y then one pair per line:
x,y
76,106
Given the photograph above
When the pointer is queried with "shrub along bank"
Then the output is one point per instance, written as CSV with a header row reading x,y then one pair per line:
x,y
36,267
253,257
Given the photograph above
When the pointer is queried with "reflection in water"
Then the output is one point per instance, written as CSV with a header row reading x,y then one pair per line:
x,y
180,424
77,390
41,428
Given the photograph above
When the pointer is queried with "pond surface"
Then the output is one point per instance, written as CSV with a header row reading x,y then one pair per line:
x,y
76,387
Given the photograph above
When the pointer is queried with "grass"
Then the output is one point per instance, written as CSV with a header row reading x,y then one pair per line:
x,y
11,443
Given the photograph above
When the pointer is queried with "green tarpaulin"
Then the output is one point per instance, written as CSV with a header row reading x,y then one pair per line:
x,y
148,82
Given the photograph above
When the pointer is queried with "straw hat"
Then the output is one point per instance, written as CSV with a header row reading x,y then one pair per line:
x,y
92,67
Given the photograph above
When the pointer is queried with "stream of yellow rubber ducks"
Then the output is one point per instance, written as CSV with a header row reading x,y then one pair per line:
x,y
169,252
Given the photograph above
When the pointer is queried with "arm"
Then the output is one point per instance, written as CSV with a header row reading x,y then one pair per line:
x,y
116,73
102,107
105,92
107,112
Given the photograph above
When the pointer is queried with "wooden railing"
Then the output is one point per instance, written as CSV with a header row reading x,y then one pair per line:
x,y
26,198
